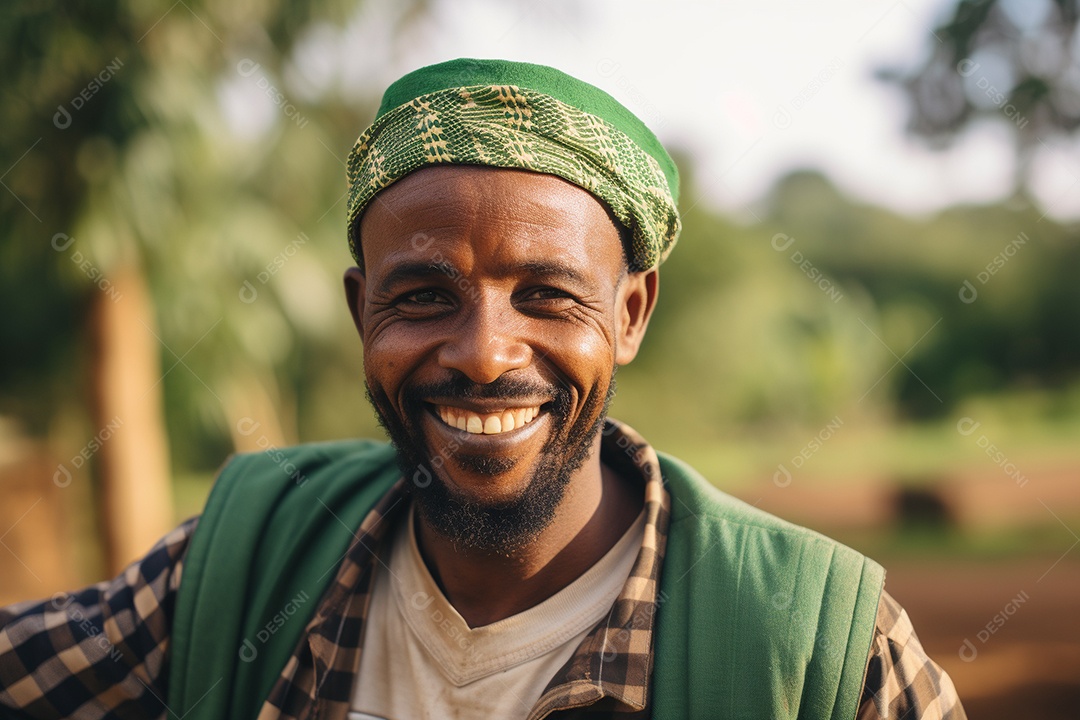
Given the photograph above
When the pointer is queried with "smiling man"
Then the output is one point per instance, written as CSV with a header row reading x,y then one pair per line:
x,y
513,553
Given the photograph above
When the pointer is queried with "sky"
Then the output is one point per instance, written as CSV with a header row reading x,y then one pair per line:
x,y
748,90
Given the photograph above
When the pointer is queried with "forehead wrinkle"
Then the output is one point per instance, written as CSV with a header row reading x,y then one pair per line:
x,y
463,214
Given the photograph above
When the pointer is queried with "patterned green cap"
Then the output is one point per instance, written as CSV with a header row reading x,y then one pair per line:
x,y
525,116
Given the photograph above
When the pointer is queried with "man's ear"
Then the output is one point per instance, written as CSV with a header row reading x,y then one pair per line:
x,y
636,301
354,296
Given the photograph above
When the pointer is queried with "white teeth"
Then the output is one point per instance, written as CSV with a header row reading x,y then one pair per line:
x,y
487,423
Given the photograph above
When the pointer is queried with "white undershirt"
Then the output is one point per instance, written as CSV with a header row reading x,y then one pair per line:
x,y
421,660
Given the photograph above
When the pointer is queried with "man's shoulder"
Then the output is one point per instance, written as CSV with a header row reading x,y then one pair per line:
x,y
276,524
300,484
778,606
320,462
695,500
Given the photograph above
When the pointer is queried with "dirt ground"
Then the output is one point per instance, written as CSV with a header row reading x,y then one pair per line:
x,y
1026,663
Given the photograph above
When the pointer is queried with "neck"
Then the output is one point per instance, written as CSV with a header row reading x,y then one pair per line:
x,y
596,510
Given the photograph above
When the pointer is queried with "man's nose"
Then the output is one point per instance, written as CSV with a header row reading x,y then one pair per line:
x,y
488,343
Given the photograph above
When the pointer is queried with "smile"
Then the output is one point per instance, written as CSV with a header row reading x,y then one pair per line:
x,y
488,423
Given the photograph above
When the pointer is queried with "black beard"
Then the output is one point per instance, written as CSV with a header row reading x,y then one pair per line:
x,y
491,528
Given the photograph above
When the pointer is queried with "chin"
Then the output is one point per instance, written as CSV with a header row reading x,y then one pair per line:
x,y
486,489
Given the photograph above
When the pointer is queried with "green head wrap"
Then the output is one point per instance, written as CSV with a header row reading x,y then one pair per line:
x,y
518,115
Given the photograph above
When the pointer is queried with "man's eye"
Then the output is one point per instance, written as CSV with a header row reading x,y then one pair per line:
x,y
423,297
549,293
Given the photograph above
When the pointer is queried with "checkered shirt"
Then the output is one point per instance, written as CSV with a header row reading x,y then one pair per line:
x,y
102,652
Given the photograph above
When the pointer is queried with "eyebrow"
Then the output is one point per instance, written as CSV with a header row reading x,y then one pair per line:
x,y
416,270
555,270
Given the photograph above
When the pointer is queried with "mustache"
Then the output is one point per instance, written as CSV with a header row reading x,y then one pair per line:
x,y
502,388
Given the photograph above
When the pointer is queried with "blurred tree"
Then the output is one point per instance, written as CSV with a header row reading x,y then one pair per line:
x,y
1009,336
1013,60
165,166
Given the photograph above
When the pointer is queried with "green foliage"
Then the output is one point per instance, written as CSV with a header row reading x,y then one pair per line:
x,y
238,226
749,339
120,151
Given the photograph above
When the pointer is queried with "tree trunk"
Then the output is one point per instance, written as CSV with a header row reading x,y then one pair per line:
x,y
255,409
132,447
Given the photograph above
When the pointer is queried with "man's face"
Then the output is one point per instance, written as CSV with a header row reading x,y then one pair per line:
x,y
494,308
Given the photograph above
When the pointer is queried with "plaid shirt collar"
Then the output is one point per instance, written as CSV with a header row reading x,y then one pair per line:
x,y
609,672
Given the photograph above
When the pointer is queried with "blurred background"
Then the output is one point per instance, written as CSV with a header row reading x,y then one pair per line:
x,y
871,324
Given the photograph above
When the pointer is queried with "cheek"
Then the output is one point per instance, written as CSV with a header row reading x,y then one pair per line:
x,y
392,354
584,355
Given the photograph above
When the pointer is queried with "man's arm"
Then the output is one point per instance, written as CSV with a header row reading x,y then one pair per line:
x,y
97,652
902,682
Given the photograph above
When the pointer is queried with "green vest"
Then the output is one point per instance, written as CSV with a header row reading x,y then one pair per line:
x,y
757,618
